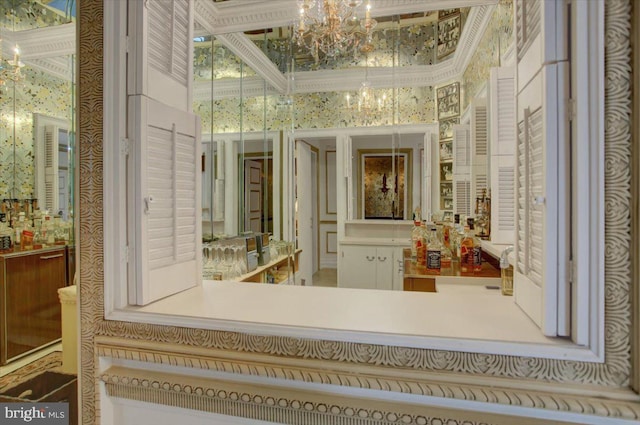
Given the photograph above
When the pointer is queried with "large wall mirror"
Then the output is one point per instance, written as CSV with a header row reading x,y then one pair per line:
x,y
275,115
37,99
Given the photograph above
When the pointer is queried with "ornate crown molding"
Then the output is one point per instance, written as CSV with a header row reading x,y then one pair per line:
x,y
350,79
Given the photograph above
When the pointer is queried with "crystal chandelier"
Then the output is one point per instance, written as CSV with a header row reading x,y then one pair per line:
x,y
12,70
366,105
331,27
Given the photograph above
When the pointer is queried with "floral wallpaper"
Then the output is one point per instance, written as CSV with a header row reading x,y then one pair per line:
x,y
494,44
21,15
38,92
412,105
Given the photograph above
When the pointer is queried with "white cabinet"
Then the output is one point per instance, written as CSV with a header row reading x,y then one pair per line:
x,y
370,267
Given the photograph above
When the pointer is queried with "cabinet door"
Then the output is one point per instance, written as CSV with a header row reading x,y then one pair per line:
x,y
358,267
33,308
398,269
384,268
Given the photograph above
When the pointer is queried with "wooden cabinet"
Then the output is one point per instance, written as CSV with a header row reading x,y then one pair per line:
x,y
30,309
370,267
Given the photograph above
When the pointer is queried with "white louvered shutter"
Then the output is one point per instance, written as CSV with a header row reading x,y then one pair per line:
x,y
162,50
51,168
428,146
167,195
540,277
164,194
479,149
502,113
462,170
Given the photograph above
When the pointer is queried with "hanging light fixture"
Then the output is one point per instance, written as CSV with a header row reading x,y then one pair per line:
x,y
367,104
331,27
11,69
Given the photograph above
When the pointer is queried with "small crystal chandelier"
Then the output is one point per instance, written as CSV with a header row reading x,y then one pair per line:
x,y
367,104
333,28
12,70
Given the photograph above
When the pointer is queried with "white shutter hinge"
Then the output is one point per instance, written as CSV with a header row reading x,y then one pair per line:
x,y
125,255
127,40
571,109
125,146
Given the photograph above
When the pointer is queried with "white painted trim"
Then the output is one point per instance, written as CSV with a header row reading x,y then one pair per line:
x,y
284,322
114,194
589,127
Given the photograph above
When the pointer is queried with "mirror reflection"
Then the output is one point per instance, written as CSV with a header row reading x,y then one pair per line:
x,y
37,148
313,155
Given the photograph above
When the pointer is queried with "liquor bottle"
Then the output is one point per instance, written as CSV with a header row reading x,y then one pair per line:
x,y
421,251
446,258
18,228
470,251
6,236
434,252
38,242
416,240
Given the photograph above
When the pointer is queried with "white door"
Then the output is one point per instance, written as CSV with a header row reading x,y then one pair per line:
x,y
253,196
304,197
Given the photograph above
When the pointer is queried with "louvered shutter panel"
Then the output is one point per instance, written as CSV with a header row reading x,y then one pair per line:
x,y
502,110
162,68
479,149
51,168
164,206
462,170
541,213
168,199
427,181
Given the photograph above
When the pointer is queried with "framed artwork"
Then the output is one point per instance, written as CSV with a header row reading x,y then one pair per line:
x,y
448,35
385,179
445,128
448,98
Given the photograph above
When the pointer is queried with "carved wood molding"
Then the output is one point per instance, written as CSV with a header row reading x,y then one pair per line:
x,y
288,406
614,373
523,394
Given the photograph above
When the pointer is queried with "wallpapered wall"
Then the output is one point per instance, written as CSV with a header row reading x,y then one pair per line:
x,y
494,44
38,92
312,110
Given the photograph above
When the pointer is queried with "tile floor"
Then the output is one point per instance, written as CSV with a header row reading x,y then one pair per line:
x,y
326,277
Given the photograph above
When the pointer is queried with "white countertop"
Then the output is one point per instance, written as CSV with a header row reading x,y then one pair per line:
x,y
459,316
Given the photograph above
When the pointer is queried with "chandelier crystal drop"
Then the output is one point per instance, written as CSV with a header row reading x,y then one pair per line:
x,y
333,28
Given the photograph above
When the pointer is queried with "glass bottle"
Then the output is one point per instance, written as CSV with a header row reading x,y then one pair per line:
x,y
434,252
470,252
58,232
421,252
416,241
38,242
18,228
6,237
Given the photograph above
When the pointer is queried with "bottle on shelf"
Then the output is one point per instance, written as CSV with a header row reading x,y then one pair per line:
x,y
38,241
416,240
6,235
434,252
26,233
470,251
18,227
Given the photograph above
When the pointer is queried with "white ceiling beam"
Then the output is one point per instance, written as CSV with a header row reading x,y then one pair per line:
x,y
59,40
251,55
